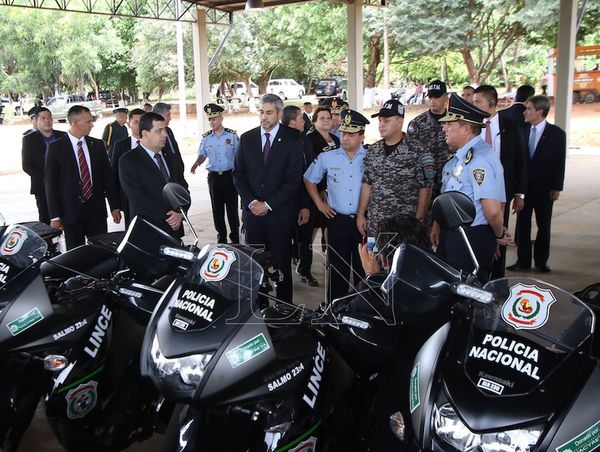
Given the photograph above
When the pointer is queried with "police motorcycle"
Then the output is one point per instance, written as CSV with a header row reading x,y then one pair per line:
x,y
247,377
516,368
71,328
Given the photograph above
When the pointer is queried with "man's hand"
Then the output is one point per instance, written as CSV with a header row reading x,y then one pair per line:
x,y
326,210
434,235
174,219
361,224
303,216
259,208
368,260
517,204
56,224
116,214
194,166
554,194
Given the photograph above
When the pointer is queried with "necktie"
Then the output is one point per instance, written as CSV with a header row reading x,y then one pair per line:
x,y
488,132
84,171
532,133
267,147
137,143
161,165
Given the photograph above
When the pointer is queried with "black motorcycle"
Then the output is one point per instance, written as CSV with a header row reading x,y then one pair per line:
x,y
254,377
515,369
71,328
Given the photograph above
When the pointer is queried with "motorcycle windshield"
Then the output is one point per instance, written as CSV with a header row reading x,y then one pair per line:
x,y
221,276
524,335
20,247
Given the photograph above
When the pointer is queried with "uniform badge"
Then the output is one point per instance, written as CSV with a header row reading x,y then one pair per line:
x,y
450,156
209,110
479,175
347,119
217,264
527,307
469,156
457,170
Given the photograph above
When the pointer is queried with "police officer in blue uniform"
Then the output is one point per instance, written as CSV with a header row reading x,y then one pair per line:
x,y
219,145
476,171
344,170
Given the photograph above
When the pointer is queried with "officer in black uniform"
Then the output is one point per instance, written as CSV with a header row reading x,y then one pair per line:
x,y
219,146
116,130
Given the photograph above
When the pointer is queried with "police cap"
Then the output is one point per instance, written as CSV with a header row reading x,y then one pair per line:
x,y
390,108
436,88
352,121
461,110
213,110
120,110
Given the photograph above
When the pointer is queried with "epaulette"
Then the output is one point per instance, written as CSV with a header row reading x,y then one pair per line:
x,y
229,130
330,148
28,132
205,134
311,130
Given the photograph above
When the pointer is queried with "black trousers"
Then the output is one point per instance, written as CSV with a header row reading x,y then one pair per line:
x,y
453,249
42,206
274,231
499,265
543,218
342,251
91,222
303,236
224,196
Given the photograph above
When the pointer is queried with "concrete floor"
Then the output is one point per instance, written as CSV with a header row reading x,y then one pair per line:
x,y
574,257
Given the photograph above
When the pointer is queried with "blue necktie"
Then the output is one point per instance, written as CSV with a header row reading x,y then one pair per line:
x,y
532,142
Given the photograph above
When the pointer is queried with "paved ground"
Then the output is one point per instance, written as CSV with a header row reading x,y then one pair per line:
x,y
575,253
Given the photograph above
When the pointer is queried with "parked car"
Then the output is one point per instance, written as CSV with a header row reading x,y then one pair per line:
x,y
286,88
332,87
59,105
108,98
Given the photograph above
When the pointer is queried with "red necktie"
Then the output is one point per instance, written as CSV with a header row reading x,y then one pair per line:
x,y
86,180
488,132
267,147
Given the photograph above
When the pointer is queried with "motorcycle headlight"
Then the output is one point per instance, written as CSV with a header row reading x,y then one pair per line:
x,y
188,370
448,427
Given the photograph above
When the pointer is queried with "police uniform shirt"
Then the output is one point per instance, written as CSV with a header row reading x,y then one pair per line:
x,y
344,178
427,130
337,132
476,171
219,149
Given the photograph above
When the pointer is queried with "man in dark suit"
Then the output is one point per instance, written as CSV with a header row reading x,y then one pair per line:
x,y
33,155
144,171
515,111
547,146
171,146
307,115
77,180
505,137
267,175
121,148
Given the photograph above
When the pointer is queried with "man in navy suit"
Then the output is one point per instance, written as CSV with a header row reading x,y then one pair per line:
x,y
144,171
515,111
267,175
547,146
77,180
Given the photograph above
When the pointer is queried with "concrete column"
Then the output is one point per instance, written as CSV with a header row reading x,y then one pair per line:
x,y
567,30
355,55
201,83
181,75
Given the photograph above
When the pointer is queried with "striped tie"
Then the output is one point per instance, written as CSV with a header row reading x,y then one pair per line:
x,y
84,171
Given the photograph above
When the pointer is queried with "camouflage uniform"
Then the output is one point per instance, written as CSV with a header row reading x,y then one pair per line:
x,y
428,131
396,179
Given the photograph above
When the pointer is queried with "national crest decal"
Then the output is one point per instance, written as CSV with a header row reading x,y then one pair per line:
x,y
82,399
527,307
310,445
13,243
217,265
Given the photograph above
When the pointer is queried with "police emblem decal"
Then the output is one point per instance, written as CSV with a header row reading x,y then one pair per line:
x,y
82,399
527,307
217,265
479,175
13,243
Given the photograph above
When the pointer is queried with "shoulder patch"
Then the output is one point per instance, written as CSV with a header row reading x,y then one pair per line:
x,y
205,134
479,175
229,130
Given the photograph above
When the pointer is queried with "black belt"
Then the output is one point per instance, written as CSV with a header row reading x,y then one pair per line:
x,y
220,173
352,215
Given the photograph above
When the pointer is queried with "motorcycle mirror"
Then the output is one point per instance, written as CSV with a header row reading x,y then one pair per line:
x,y
453,209
176,196
178,199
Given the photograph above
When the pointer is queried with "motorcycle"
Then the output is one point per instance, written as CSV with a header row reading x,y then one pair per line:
x,y
253,377
515,369
71,328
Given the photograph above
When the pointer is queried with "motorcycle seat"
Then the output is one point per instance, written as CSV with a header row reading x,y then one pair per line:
x,y
92,260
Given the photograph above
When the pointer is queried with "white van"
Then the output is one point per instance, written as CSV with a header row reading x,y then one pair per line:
x,y
286,88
